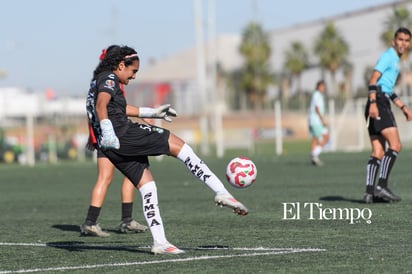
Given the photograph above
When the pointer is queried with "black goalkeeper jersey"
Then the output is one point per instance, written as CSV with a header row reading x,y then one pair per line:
x,y
116,109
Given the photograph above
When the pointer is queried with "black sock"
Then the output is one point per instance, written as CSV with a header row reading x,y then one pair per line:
x,y
127,209
371,171
92,215
388,161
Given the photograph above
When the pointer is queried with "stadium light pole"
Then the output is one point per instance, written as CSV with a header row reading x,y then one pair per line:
x,y
201,76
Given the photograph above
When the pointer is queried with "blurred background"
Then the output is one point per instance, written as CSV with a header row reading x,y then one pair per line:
x,y
239,73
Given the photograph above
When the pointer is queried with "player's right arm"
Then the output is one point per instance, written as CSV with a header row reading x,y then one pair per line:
x,y
109,138
103,99
372,89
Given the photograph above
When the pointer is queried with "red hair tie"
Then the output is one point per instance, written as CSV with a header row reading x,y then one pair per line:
x,y
104,51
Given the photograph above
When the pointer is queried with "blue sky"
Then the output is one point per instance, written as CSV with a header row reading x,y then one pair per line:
x,y
55,44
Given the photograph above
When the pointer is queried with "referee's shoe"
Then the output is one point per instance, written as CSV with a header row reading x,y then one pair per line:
x,y
386,194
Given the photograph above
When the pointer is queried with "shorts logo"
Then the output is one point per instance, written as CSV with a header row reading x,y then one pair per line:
x,y
151,128
158,130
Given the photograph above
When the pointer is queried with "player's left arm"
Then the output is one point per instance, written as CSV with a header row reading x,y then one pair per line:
x,y
161,112
132,111
397,101
318,102
321,117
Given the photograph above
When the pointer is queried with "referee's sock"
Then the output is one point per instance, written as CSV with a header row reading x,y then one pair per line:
x,y
387,163
371,172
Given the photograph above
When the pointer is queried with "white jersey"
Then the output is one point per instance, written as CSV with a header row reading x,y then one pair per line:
x,y
317,100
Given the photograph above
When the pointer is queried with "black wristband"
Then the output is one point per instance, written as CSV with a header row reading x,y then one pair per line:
x,y
402,107
373,88
372,101
394,97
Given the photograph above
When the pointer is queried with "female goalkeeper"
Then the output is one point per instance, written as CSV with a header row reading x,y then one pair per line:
x,y
128,144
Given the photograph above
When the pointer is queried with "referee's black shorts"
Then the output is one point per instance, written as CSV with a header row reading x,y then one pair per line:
x,y
387,119
138,142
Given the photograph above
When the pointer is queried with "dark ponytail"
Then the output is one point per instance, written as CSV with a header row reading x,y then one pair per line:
x,y
114,56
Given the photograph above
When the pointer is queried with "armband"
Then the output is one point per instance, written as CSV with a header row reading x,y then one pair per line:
x,y
373,88
372,101
394,97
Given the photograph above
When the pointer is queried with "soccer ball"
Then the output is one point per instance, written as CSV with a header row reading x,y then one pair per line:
x,y
241,172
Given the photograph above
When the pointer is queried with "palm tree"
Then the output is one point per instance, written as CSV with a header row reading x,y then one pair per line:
x,y
255,75
400,17
347,69
332,51
296,61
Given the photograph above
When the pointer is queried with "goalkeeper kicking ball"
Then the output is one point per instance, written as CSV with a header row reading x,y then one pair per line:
x,y
241,172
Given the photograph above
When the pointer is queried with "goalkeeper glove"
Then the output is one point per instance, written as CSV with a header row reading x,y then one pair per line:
x,y
162,112
109,138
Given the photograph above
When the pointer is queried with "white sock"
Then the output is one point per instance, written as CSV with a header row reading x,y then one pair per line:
x,y
316,151
151,212
200,170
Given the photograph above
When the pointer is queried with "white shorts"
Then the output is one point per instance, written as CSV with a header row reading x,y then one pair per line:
x,y
317,130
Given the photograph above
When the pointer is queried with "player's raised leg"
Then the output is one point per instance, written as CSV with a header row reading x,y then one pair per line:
x,y
200,170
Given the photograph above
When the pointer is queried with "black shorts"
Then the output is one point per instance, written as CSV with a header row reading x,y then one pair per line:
x,y
139,142
100,154
387,119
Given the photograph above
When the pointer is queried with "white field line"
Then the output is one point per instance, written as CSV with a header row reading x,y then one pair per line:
x,y
264,251
148,247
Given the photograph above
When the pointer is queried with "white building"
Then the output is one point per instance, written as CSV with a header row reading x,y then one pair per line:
x,y
19,103
361,29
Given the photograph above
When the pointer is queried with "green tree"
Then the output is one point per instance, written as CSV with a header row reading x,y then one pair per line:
x,y
346,89
400,17
296,61
255,75
332,51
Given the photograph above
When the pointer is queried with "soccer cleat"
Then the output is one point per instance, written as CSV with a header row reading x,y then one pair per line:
x,y
396,197
166,248
228,201
316,161
368,198
386,194
124,227
92,230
